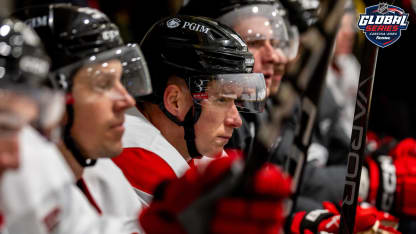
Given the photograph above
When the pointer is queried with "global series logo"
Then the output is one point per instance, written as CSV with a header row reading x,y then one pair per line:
x,y
382,23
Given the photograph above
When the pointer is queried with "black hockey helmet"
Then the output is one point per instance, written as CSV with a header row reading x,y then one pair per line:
x,y
22,58
24,68
77,36
273,24
212,59
199,49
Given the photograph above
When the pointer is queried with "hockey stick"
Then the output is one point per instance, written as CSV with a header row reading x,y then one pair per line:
x,y
310,81
358,137
359,133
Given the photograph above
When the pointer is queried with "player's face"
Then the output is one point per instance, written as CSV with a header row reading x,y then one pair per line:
x,y
15,112
267,59
100,101
214,128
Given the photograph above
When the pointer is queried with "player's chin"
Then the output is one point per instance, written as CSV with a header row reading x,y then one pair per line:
x,y
215,151
114,149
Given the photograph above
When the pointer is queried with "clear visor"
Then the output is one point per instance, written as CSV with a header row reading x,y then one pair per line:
x,y
292,48
247,91
259,22
126,63
41,107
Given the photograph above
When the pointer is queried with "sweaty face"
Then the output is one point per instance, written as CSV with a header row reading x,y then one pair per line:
x,y
15,112
100,101
219,117
261,42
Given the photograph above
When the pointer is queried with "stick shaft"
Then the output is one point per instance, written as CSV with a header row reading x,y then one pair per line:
x,y
358,137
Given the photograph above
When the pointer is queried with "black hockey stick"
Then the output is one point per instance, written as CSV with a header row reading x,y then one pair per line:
x,y
359,133
318,43
358,137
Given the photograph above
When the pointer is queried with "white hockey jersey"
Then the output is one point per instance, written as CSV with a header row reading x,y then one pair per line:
x,y
30,197
40,196
148,158
113,194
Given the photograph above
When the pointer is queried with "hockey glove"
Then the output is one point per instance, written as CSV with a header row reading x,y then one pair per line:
x,y
391,180
231,214
327,220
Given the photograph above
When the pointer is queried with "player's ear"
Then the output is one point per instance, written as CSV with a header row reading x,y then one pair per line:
x,y
177,98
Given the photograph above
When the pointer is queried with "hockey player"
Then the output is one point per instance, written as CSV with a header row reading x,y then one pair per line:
x,y
39,196
265,33
268,36
24,67
262,26
20,74
261,23
91,64
201,74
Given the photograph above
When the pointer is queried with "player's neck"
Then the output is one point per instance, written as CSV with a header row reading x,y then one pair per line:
x,y
76,168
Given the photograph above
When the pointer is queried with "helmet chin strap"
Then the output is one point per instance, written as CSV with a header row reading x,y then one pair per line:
x,y
188,124
71,143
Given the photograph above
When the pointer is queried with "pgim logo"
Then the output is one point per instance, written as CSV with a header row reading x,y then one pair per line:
x,y
195,27
382,23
